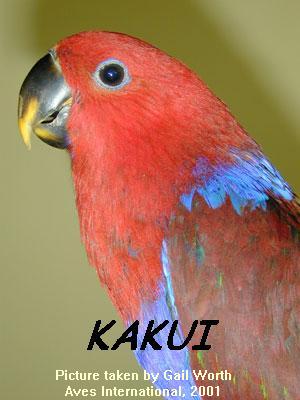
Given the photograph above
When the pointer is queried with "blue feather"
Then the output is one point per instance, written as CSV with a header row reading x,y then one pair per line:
x,y
164,308
249,180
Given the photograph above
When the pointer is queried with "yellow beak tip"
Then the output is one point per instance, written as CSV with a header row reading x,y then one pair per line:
x,y
26,120
25,131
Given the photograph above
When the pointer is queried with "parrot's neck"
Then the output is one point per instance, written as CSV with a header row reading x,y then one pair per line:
x,y
123,211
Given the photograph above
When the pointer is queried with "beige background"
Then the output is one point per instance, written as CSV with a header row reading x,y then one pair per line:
x,y
248,53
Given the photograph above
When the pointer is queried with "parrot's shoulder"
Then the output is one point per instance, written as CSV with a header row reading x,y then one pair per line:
x,y
249,180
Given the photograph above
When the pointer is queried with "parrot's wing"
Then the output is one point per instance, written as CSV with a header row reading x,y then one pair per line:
x,y
242,269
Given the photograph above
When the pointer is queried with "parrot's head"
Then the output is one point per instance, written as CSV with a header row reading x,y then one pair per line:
x,y
97,78
97,86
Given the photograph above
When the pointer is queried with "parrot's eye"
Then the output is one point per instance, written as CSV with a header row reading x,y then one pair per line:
x,y
111,74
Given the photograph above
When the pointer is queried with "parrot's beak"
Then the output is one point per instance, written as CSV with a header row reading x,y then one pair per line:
x,y
44,103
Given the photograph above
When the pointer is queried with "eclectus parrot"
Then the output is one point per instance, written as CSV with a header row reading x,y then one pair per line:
x,y
182,215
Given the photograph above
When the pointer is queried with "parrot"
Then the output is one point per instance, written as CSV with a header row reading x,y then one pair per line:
x,y
182,215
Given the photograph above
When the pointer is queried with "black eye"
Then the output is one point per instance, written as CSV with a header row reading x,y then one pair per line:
x,y
112,74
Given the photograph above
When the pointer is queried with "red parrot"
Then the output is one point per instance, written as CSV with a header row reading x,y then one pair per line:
x,y
182,215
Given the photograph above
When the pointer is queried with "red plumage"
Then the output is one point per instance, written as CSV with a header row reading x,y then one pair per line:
x,y
133,152
119,158
249,280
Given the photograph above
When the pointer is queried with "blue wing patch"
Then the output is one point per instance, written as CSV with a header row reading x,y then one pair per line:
x,y
164,308
249,181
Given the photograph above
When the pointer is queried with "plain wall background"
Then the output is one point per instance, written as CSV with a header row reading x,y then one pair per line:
x,y
247,52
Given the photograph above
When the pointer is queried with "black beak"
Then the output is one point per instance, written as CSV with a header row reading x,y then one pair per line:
x,y
44,103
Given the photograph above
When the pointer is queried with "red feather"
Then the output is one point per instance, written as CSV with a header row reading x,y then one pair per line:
x,y
117,159
249,280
